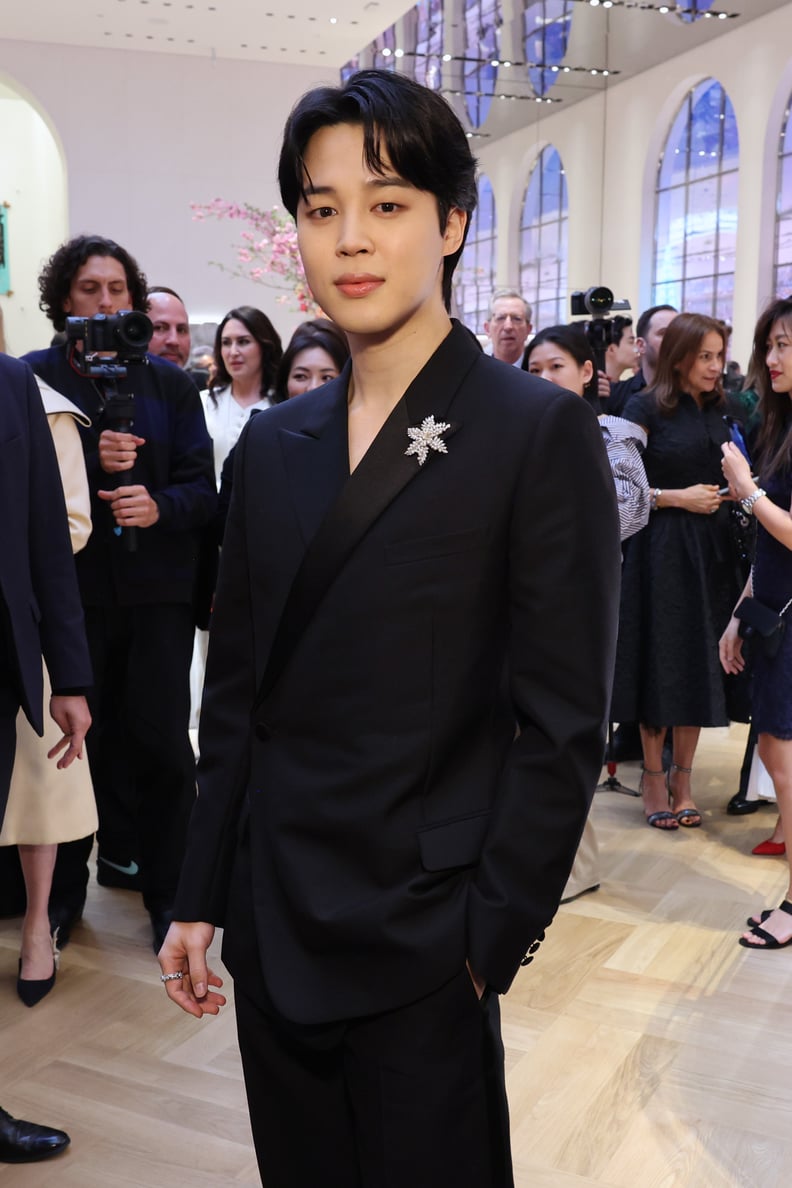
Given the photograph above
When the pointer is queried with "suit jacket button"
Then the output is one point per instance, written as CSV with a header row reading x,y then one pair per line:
x,y
261,731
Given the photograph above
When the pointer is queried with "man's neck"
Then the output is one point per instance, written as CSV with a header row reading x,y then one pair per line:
x,y
648,372
384,367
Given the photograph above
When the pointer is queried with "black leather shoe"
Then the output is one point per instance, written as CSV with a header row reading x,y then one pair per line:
x,y
25,1142
738,806
160,923
62,917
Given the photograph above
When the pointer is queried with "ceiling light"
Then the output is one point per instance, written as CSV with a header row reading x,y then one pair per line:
x,y
447,58
386,52
399,53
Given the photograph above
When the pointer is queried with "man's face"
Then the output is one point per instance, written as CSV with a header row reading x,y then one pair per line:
x,y
649,346
508,328
171,337
99,286
371,245
624,355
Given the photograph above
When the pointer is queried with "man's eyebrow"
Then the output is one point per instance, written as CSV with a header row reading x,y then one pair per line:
x,y
374,183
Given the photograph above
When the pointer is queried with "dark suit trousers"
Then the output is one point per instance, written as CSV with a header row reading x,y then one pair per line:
x,y
408,1098
142,764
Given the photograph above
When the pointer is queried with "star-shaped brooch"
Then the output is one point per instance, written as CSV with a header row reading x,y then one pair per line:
x,y
427,438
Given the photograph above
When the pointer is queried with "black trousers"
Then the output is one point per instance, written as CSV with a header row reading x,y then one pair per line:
x,y
408,1098
142,764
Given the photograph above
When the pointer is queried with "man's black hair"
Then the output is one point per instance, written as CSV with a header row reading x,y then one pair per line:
x,y
60,270
619,323
642,324
412,126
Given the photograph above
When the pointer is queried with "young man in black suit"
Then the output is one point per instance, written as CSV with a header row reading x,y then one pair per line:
x,y
40,614
421,563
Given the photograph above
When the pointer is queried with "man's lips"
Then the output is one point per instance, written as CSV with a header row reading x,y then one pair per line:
x,y
358,285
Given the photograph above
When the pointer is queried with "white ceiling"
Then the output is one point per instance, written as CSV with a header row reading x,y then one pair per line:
x,y
628,38
308,32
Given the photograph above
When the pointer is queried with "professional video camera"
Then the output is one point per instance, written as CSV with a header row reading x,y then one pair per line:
x,y
111,343
127,334
596,305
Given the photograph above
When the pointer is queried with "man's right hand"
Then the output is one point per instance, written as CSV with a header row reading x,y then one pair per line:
x,y
118,451
184,951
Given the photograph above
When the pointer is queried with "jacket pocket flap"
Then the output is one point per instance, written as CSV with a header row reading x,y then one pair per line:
x,y
453,843
428,547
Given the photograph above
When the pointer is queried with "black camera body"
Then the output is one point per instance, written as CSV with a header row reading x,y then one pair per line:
x,y
597,305
126,333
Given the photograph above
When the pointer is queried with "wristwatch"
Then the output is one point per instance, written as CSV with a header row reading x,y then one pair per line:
x,y
747,503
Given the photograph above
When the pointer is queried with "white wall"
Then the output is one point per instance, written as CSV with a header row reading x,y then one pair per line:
x,y
32,182
610,144
144,135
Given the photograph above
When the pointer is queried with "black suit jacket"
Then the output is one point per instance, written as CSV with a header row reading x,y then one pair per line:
x,y
396,825
37,578
175,465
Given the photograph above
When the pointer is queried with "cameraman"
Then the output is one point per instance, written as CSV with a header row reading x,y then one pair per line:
x,y
649,331
139,605
621,354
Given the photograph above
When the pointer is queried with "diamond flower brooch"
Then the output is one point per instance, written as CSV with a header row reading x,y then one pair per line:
x,y
428,437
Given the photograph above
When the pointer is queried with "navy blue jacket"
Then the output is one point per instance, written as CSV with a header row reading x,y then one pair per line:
x,y
176,467
37,580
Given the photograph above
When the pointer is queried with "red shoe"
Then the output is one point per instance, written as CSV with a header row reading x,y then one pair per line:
x,y
769,848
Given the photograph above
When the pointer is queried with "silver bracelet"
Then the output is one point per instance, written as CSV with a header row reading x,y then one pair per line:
x,y
747,503
653,498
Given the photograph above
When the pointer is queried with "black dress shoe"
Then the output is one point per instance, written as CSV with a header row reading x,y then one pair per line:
x,y
160,923
738,806
62,917
25,1142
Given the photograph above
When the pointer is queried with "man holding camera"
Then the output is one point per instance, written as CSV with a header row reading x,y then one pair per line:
x,y
152,491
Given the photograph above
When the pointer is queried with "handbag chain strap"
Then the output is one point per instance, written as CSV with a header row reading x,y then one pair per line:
x,y
784,610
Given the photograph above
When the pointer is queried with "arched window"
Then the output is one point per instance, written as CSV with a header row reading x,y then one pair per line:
x,y
475,274
482,31
696,218
782,285
429,43
546,25
543,241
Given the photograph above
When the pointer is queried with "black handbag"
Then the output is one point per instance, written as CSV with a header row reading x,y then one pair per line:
x,y
761,626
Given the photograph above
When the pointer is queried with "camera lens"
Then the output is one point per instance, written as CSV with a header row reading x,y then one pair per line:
x,y
135,330
599,300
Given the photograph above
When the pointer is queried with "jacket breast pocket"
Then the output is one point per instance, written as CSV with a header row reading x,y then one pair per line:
x,y
426,548
453,843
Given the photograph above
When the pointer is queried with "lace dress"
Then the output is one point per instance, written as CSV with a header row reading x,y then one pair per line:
x,y
680,579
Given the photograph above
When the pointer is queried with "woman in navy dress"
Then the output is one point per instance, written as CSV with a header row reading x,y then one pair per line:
x,y
680,577
770,501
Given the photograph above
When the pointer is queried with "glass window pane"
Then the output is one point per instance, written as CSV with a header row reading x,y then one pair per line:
x,y
696,220
543,239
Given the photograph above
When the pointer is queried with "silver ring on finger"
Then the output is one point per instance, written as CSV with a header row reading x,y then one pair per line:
x,y
172,977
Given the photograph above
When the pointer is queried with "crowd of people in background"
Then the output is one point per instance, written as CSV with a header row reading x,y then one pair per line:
x,y
668,400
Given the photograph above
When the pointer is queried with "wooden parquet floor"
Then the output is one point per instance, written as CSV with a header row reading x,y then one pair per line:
x,y
645,1048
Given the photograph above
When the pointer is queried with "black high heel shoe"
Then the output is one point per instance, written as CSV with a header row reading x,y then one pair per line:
x,y
32,990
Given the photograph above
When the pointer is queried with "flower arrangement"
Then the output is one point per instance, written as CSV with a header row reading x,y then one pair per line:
x,y
268,253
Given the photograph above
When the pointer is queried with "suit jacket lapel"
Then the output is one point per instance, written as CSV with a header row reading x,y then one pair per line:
x,y
383,472
387,468
316,456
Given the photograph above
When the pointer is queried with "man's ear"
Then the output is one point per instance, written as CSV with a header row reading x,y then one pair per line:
x,y
640,346
454,233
